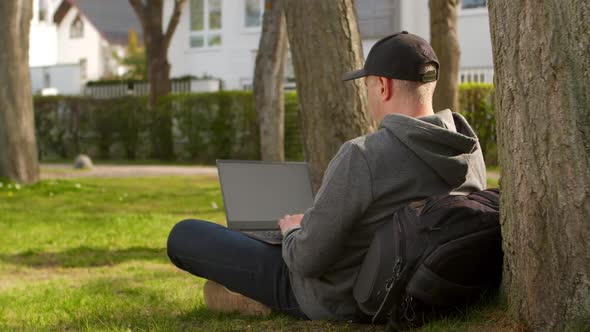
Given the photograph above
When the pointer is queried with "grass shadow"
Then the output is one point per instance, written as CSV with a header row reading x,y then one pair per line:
x,y
131,303
201,317
84,257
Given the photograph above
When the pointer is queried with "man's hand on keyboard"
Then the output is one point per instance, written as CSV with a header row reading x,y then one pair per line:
x,y
290,221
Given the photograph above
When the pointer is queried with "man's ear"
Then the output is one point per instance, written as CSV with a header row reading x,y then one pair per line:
x,y
385,88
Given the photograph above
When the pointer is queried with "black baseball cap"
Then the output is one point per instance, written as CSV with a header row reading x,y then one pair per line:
x,y
400,56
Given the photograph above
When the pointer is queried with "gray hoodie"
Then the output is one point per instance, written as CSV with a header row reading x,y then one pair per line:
x,y
407,159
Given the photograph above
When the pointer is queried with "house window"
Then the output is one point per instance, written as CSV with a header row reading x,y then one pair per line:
x,y
43,10
253,10
468,4
77,28
205,23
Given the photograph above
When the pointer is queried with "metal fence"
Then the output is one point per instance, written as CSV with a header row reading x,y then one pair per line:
x,y
143,88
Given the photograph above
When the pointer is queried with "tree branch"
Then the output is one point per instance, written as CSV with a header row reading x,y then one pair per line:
x,y
140,9
174,20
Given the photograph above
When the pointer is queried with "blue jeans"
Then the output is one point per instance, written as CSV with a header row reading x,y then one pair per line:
x,y
242,264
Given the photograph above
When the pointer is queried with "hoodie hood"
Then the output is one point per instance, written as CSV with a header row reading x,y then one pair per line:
x,y
444,141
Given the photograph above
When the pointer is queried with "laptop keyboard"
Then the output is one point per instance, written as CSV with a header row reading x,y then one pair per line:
x,y
270,236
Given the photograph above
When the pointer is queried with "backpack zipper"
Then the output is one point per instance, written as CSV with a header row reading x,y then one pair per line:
x,y
402,240
399,261
391,282
408,309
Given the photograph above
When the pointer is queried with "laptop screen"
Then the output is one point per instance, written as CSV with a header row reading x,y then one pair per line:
x,y
257,194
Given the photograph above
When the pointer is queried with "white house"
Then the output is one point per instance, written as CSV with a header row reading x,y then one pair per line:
x,y
475,42
74,41
43,34
43,45
90,31
219,38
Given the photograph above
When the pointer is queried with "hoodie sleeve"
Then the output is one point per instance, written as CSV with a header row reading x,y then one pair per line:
x,y
344,196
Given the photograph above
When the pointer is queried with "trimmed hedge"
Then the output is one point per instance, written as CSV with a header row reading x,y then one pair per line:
x,y
476,101
199,127
191,127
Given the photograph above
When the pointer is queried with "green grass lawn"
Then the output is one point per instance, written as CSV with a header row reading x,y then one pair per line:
x,y
89,254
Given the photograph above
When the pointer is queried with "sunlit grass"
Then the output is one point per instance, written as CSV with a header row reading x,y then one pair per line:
x,y
89,254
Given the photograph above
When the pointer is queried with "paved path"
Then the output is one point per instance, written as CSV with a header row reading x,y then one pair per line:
x,y
62,171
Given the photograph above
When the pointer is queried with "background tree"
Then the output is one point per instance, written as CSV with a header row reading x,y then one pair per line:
x,y
18,148
157,42
443,38
134,59
269,97
325,43
542,77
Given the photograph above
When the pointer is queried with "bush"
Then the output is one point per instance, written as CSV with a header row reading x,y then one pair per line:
x,y
198,127
476,102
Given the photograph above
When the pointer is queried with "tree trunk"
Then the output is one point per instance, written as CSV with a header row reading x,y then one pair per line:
x,y
443,38
160,86
158,71
543,121
157,40
325,43
269,97
18,148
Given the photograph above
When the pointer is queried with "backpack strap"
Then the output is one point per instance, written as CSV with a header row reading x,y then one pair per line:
x,y
491,194
418,204
491,197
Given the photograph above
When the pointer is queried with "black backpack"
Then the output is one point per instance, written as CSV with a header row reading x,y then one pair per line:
x,y
431,257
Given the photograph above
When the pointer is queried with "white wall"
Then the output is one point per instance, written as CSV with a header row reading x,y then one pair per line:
x,y
42,45
233,61
474,38
415,17
43,36
64,77
475,43
91,46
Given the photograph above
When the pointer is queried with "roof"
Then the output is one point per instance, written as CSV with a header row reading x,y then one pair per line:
x,y
112,18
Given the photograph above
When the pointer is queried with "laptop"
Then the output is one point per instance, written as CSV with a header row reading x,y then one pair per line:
x,y
257,194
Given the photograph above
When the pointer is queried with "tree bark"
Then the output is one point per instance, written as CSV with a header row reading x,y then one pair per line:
x,y
158,71
18,148
325,43
157,42
268,82
443,38
542,63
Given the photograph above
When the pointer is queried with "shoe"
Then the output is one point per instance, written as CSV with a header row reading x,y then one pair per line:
x,y
220,299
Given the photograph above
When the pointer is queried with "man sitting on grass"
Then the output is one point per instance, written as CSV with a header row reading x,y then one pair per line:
x,y
414,154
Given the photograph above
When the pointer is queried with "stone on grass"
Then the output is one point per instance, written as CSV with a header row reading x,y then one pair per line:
x,y
83,162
